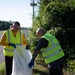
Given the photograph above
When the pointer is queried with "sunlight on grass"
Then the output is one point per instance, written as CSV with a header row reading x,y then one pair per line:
x,y
2,68
40,68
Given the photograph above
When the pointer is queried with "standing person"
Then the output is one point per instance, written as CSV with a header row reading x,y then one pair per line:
x,y
51,51
9,39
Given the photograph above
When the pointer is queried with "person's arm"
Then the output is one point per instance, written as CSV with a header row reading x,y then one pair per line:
x,y
3,41
24,42
41,44
36,52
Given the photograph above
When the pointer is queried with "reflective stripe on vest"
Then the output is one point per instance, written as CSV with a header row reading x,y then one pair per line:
x,y
9,36
52,54
55,49
9,41
12,49
50,48
8,50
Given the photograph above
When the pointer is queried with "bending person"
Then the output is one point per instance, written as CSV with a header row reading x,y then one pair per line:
x,y
51,51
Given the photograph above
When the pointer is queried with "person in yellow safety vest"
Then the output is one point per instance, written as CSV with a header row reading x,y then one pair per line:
x,y
51,51
9,39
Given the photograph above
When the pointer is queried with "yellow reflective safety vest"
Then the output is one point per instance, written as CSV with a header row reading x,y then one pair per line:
x,y
9,50
53,51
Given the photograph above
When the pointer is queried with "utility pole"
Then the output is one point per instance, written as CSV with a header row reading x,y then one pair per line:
x,y
33,4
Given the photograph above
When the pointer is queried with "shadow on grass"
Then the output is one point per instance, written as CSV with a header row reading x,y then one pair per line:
x,y
37,72
41,62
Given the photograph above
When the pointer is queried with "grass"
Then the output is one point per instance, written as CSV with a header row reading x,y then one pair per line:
x,y
39,69
2,68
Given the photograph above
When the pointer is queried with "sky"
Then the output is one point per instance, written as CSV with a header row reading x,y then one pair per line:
x,y
16,10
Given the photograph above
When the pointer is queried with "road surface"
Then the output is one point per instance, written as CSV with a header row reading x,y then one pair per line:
x,y
1,53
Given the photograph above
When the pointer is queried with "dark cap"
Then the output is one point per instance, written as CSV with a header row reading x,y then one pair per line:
x,y
16,23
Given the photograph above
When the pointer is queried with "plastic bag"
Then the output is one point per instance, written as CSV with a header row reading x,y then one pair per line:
x,y
20,61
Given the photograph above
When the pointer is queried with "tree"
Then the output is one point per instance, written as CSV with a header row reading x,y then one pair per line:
x,y
4,25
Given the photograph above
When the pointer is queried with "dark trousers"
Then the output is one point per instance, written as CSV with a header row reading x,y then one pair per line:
x,y
8,64
56,70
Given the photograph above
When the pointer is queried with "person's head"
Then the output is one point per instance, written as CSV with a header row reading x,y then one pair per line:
x,y
40,32
15,26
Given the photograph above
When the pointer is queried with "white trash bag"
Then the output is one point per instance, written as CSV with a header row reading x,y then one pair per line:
x,y
20,61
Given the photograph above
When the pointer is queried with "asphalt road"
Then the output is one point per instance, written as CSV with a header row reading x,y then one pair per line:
x,y
1,53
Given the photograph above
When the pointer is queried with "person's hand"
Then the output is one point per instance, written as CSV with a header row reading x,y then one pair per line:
x,y
27,47
13,45
31,64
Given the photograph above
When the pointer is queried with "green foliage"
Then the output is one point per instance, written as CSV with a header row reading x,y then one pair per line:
x,y
58,17
2,68
32,40
62,16
70,67
4,25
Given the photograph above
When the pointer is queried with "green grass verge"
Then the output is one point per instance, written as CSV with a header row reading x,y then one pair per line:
x,y
39,69
2,68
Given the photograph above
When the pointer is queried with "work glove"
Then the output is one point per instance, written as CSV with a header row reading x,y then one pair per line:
x,y
13,45
31,63
27,47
